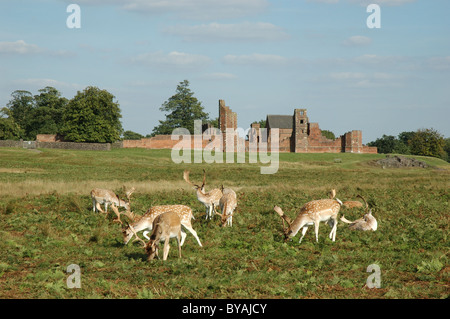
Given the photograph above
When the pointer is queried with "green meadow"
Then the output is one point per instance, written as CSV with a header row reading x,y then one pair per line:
x,y
47,224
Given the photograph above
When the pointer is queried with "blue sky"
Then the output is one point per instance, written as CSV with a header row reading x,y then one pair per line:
x,y
262,57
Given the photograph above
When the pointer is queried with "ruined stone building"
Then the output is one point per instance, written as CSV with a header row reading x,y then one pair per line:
x,y
296,134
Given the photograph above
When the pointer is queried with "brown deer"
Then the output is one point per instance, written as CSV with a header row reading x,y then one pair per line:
x,y
312,213
165,226
210,199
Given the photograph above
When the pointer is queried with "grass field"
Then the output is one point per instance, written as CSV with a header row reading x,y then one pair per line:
x,y
47,224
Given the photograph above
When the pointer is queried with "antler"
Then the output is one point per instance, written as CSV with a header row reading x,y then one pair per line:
x,y
367,205
131,191
204,179
186,178
280,212
333,193
135,234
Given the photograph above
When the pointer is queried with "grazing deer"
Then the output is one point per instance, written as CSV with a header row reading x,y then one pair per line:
x,y
103,196
312,213
165,226
367,222
145,222
210,199
227,205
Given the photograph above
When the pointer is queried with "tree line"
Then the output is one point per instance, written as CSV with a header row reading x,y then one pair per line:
x,y
93,115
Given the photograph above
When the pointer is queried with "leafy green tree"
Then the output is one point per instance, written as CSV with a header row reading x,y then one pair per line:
x,y
447,149
385,144
48,112
427,142
262,123
130,135
92,116
328,134
20,110
9,130
181,109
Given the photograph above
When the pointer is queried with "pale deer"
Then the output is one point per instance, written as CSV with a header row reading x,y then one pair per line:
x,y
227,205
312,213
165,226
348,203
210,199
145,222
103,196
367,222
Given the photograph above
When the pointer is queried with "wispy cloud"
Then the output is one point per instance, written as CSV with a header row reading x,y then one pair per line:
x,y
219,76
357,40
187,9
367,2
19,47
22,48
255,59
173,59
244,31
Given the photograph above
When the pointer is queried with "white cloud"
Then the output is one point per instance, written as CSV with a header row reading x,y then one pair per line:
x,y
172,59
39,83
245,31
219,76
441,63
190,9
367,2
19,47
357,40
256,58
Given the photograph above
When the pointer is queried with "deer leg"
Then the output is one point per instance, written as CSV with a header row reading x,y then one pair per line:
x,y
316,228
304,229
183,237
179,244
99,208
194,233
166,248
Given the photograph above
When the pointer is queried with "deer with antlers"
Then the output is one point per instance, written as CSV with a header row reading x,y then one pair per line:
x,y
367,222
227,205
145,222
103,196
165,226
312,213
210,199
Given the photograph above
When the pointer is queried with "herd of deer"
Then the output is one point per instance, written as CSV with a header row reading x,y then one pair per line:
x,y
165,221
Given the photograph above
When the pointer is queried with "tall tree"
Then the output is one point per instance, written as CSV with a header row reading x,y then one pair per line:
x,y
92,116
181,109
20,109
9,130
48,112
427,142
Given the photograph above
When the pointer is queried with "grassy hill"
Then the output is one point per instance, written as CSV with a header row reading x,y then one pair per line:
x,y
47,224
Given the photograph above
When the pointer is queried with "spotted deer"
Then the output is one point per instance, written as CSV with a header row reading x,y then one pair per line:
x,y
227,205
312,213
210,199
367,222
145,222
165,226
103,196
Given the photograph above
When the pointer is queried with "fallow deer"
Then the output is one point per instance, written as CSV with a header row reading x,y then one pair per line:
x,y
210,199
227,205
145,222
103,196
165,226
367,222
312,213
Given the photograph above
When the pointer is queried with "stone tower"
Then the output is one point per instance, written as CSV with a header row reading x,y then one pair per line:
x,y
300,131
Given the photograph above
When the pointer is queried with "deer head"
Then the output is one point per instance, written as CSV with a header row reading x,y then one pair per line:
x,y
197,187
284,218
